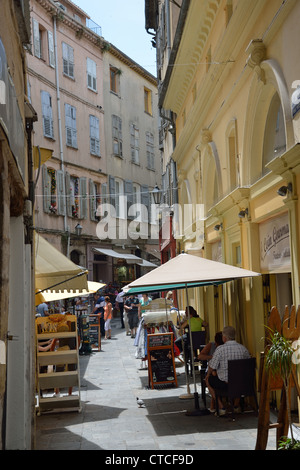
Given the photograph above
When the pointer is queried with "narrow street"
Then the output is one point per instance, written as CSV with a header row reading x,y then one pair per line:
x,y
111,420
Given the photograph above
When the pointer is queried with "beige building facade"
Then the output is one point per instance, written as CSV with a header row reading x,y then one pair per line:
x,y
231,84
100,137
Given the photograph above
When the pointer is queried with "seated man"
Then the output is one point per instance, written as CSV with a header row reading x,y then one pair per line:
x,y
218,366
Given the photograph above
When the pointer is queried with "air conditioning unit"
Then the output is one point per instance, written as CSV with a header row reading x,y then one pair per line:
x,y
58,4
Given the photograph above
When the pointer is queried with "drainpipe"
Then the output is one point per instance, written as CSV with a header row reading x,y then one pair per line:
x,y
61,153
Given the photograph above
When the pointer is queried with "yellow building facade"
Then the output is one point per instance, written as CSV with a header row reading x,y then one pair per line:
x,y
232,86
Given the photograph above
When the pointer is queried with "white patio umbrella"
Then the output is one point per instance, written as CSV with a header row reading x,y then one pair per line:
x,y
186,271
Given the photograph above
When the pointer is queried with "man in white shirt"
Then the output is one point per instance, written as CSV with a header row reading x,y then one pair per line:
x,y
218,366
120,303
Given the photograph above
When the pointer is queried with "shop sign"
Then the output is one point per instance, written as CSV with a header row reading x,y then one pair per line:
x,y
275,253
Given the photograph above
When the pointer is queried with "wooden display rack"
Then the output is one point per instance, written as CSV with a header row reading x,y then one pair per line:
x,y
65,359
289,327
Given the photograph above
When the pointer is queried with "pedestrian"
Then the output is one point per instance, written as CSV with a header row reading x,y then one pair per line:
x,y
42,310
107,317
144,301
218,366
132,307
99,310
120,305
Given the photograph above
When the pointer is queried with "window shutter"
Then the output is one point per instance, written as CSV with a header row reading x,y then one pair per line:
x,y
145,199
103,193
112,190
128,190
51,49
46,189
47,114
60,192
36,38
94,136
92,199
83,197
68,195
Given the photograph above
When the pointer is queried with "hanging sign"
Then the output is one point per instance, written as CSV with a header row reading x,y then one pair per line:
x,y
275,253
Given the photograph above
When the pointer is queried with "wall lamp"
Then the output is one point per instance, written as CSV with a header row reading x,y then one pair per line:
x,y
156,193
282,191
218,227
242,214
78,229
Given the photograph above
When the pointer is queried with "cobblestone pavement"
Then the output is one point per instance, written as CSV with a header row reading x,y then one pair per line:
x,y
110,419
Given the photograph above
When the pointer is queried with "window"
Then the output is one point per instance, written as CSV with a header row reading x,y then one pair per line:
x,y
53,191
74,196
47,114
68,60
114,79
71,131
117,197
147,101
51,49
117,135
150,150
94,136
95,199
91,74
134,143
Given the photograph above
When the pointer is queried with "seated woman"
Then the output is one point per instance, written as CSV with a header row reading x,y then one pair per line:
x,y
196,325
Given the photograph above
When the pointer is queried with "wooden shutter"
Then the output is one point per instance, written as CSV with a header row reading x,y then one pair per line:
x,y
128,190
112,190
60,192
46,189
47,114
83,197
145,199
68,194
51,49
36,38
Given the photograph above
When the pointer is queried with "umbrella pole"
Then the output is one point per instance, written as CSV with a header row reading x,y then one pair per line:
x,y
188,394
196,411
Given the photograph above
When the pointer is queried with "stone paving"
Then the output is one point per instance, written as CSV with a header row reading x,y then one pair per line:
x,y
110,419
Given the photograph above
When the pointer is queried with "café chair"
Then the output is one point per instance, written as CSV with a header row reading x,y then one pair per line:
x,y
241,383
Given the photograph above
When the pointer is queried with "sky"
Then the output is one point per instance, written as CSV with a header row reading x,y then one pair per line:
x,y
123,25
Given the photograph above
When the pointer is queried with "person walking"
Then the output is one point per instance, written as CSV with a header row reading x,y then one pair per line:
x,y
107,317
120,304
132,307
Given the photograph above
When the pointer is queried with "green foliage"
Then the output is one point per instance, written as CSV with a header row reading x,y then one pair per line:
x,y
279,356
288,444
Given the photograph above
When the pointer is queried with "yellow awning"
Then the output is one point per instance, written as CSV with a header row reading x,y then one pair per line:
x,y
49,296
54,271
40,153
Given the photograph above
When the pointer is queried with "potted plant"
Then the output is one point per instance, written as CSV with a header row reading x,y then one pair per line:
x,y
279,363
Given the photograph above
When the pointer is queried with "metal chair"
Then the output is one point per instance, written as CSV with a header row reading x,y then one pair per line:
x,y
241,382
